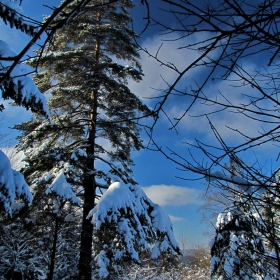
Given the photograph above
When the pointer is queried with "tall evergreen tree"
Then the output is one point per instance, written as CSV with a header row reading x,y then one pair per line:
x,y
91,106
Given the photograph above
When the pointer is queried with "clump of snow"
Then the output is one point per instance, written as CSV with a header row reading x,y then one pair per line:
x,y
62,189
12,185
103,262
22,189
220,220
115,199
229,216
46,177
23,84
77,153
69,218
214,262
17,206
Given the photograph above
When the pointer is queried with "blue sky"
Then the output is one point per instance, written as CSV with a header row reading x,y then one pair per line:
x,y
181,199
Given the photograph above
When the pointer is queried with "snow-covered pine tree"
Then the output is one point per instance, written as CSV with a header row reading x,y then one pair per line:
x,y
94,114
42,242
238,251
12,186
270,214
20,255
127,225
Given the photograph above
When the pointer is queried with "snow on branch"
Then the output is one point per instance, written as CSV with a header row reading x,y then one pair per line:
x,y
163,226
11,13
62,189
19,86
12,185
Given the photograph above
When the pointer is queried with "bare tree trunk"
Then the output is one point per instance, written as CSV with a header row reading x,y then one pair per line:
x,y
89,186
87,230
89,197
51,269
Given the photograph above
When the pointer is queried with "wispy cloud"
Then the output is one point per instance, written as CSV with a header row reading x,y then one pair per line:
x,y
230,123
170,195
175,219
157,76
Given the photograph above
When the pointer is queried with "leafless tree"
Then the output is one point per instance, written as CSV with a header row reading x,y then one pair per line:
x,y
234,42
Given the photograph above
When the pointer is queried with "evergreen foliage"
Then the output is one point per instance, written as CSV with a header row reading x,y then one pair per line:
x,y
238,251
128,225
14,18
12,187
17,85
271,213
246,243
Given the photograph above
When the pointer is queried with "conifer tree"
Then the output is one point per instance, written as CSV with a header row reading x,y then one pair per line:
x,y
91,107
270,211
238,250
127,226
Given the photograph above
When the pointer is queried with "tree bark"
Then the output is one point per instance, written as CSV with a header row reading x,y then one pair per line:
x,y
89,199
87,230
51,269
89,186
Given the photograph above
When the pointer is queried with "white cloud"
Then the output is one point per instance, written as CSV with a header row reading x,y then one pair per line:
x,y
171,52
157,76
175,219
173,195
228,122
